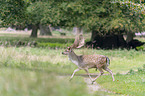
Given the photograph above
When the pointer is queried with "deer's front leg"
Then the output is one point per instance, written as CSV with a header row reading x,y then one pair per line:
x,y
74,73
88,74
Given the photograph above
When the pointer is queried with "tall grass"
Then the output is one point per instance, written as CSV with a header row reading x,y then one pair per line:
x,y
121,60
27,71
16,82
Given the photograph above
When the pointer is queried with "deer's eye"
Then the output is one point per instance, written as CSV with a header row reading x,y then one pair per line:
x,y
68,48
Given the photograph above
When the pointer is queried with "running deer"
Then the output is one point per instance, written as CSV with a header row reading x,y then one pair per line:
x,y
88,61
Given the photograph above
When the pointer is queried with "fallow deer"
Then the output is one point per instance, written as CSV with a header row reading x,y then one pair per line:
x,y
89,61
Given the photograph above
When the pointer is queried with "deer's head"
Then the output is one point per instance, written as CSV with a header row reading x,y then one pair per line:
x,y
67,51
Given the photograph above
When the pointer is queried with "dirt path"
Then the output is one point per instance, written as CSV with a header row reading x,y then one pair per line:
x,y
91,87
94,87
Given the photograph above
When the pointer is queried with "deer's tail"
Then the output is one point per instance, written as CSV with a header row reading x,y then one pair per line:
x,y
107,61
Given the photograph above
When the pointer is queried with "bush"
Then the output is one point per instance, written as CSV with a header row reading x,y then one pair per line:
x,y
53,45
140,48
36,42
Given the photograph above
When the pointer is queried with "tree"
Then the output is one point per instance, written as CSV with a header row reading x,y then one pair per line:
x,y
13,12
44,13
23,12
104,17
45,30
36,14
134,15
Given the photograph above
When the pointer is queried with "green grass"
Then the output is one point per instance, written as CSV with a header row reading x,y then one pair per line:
x,y
121,61
29,71
17,82
125,84
16,40
33,71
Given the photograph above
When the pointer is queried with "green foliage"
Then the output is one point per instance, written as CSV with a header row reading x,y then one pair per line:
x,y
105,17
131,72
83,13
13,12
52,45
132,14
140,48
35,11
36,42
44,12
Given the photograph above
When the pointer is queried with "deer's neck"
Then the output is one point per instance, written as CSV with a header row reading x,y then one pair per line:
x,y
74,58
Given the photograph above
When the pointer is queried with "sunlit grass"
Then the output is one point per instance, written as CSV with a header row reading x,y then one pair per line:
x,y
132,85
33,71
16,82
121,60
27,72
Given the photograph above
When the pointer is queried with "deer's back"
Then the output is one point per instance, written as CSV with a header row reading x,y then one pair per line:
x,y
93,60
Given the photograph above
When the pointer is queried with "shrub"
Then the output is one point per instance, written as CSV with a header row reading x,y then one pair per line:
x,y
36,42
140,48
53,45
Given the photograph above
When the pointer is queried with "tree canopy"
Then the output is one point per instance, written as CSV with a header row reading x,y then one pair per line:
x,y
12,12
103,16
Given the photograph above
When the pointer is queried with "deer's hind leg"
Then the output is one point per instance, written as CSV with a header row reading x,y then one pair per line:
x,y
108,70
101,73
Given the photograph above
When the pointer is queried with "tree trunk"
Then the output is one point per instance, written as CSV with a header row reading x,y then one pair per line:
x,y
130,36
94,34
106,41
140,1
77,30
34,31
121,41
45,30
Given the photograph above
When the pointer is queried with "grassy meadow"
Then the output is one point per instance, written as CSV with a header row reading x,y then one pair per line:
x,y
44,71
